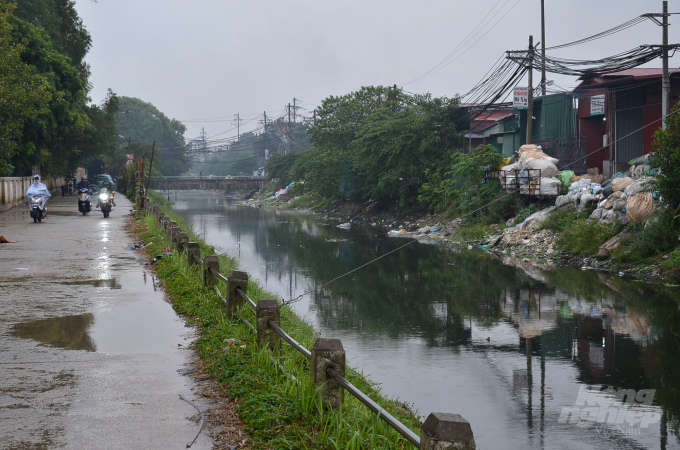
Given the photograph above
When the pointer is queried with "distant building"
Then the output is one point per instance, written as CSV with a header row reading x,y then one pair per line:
x,y
619,113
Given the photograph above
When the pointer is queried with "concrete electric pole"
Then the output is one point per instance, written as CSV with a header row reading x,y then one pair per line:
x,y
543,80
530,91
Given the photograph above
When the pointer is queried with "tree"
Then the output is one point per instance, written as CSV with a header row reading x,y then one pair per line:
x,y
339,118
279,168
23,93
61,131
140,121
378,143
395,148
50,138
60,20
667,159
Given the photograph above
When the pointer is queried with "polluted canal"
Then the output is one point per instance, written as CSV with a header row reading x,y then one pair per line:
x,y
566,358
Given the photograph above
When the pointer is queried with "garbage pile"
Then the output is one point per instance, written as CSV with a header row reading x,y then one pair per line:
x,y
537,173
281,191
529,242
620,200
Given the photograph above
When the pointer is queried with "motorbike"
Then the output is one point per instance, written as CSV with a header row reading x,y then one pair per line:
x,y
36,213
84,201
106,201
69,187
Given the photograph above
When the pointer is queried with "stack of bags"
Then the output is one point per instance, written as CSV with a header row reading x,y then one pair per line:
x,y
531,158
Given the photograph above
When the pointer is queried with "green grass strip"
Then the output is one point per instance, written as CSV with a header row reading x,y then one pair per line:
x,y
280,409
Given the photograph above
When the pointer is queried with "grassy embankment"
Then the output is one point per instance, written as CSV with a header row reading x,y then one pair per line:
x,y
278,411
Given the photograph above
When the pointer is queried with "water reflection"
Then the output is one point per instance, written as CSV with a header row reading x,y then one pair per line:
x,y
70,332
506,345
111,283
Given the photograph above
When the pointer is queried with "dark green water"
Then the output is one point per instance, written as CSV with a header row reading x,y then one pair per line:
x,y
531,358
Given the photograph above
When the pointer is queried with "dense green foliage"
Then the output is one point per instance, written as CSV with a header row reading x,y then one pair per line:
x,y
576,233
62,24
49,122
141,122
279,168
657,236
667,160
376,143
23,93
461,188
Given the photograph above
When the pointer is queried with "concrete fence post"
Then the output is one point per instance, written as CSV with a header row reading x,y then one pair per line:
x,y
182,241
166,222
268,309
193,249
236,279
443,431
172,231
210,262
328,353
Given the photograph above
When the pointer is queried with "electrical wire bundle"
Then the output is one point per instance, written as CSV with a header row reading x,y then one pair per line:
x,y
626,60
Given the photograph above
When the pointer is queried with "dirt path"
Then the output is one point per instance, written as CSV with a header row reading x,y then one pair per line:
x,y
91,355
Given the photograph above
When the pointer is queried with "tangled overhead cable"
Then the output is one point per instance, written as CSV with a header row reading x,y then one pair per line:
x,y
626,60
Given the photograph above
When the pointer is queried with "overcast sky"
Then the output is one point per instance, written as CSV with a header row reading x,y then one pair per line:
x,y
203,61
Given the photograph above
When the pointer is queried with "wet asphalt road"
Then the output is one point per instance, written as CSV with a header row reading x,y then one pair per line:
x,y
90,353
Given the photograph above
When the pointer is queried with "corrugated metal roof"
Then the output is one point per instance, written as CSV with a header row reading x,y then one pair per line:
x,y
486,120
640,73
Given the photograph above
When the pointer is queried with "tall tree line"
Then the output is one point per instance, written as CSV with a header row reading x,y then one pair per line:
x,y
46,116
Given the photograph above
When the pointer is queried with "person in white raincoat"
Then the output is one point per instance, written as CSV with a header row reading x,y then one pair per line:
x,y
38,188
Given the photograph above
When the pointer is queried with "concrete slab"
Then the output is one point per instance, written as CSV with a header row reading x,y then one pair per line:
x,y
89,349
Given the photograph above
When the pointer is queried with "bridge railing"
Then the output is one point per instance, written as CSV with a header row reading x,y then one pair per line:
x,y
208,177
327,356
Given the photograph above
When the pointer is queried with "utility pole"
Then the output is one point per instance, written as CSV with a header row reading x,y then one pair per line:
x,y
665,47
289,115
265,121
665,78
294,109
543,80
530,90
238,126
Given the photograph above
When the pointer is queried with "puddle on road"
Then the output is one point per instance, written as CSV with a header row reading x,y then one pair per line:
x,y
142,327
111,283
69,332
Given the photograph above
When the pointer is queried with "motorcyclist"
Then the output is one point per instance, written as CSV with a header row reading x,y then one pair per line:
x,y
105,184
38,188
84,183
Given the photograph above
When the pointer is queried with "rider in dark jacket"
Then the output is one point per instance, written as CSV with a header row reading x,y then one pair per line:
x,y
84,184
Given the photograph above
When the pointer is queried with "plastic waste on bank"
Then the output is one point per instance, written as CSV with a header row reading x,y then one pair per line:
x,y
504,162
565,177
640,207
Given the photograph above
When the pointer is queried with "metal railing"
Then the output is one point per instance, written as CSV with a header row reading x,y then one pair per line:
x,y
402,429
437,427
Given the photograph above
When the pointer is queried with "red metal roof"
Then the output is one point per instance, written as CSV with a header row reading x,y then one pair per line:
x,y
640,73
487,119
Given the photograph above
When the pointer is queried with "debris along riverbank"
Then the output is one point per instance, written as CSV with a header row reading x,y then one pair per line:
x,y
278,409
543,234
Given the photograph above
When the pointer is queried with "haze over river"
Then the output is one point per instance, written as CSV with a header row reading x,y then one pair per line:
x,y
516,351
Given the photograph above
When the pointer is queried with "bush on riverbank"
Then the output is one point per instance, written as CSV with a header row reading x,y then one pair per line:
x,y
278,412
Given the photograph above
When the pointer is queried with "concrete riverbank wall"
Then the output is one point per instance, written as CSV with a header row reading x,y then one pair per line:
x,y
13,189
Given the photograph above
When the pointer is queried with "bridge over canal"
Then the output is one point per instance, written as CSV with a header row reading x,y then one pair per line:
x,y
202,183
